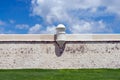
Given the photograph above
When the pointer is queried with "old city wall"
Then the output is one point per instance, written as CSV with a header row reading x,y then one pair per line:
x,y
42,51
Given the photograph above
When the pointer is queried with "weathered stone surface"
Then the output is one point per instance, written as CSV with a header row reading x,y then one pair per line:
x,y
47,54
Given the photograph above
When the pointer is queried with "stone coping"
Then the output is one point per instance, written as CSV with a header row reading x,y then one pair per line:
x,y
51,37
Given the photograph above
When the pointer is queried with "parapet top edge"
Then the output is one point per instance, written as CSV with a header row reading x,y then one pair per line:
x,y
51,37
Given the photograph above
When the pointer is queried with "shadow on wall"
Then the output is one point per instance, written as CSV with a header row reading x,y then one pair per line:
x,y
59,50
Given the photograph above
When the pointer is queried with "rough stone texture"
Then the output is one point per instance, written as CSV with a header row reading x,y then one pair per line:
x,y
47,54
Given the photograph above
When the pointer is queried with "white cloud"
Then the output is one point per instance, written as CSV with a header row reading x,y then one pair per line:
x,y
68,11
22,26
49,30
112,6
58,10
10,32
89,27
37,28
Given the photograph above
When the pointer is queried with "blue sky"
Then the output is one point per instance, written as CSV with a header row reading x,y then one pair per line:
x,y
42,16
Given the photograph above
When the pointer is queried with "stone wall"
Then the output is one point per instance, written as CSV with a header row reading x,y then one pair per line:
x,y
39,53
